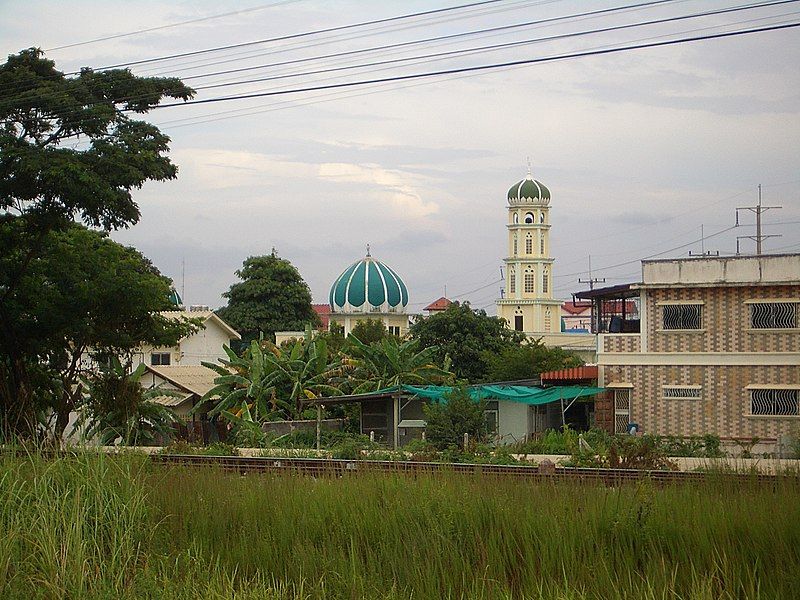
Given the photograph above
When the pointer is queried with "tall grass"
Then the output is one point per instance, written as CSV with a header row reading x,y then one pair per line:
x,y
116,527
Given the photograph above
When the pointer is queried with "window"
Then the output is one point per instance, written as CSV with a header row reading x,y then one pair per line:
x,y
515,218
529,285
545,281
528,245
541,217
512,283
529,218
160,359
774,402
394,330
541,245
685,392
515,246
622,409
491,416
682,316
773,315
518,323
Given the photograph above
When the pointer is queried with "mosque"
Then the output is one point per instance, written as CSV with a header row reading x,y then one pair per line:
x,y
370,289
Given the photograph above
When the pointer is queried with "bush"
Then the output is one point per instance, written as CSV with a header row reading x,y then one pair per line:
x,y
187,448
448,421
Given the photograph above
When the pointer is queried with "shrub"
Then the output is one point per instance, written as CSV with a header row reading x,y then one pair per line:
x,y
448,421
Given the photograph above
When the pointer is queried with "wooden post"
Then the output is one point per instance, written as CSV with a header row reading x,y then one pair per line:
x,y
466,442
319,425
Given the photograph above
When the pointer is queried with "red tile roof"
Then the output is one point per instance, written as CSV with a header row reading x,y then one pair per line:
x,y
440,304
575,308
572,374
324,312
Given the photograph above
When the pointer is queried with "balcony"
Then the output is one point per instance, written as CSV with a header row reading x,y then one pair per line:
x,y
615,309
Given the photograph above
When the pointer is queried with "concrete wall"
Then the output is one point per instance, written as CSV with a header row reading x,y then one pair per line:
x,y
512,421
752,270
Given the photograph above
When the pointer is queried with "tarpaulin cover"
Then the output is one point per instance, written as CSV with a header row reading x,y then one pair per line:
x,y
513,393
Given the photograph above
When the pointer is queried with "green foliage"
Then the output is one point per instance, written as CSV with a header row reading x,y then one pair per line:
x,y
270,297
526,361
270,383
391,362
46,181
465,336
370,331
116,407
448,421
95,526
187,448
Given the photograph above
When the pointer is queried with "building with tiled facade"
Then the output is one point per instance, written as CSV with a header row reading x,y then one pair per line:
x,y
714,348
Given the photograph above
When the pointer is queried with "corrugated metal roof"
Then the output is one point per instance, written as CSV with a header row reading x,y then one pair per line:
x,y
571,374
171,401
195,379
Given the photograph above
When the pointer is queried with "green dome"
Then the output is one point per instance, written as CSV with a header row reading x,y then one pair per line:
x,y
368,285
528,191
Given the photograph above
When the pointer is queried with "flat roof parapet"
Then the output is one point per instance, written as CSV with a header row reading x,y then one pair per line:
x,y
765,269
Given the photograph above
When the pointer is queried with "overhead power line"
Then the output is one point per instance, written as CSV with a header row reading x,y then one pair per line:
x,y
485,67
171,25
293,36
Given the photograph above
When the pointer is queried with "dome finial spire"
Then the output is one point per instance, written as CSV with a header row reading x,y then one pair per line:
x,y
529,168
368,254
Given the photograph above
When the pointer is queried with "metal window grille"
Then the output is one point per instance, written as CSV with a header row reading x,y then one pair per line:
x,y
774,315
682,392
775,402
682,316
622,409
528,245
541,246
545,282
512,283
515,246
529,285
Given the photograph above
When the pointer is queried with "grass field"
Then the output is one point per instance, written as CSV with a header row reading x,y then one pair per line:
x,y
96,526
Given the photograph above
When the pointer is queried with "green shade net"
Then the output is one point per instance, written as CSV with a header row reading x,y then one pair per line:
x,y
514,393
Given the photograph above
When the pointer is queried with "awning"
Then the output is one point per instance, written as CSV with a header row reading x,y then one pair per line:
x,y
513,393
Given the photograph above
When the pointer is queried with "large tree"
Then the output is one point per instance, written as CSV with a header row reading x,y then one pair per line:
x,y
270,297
464,335
69,148
527,361
83,293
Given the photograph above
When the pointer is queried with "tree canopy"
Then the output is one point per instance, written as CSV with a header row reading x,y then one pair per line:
x,y
527,361
465,335
270,297
69,148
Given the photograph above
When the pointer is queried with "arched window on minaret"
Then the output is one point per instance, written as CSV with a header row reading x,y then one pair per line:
x,y
541,217
545,281
512,282
515,245
541,245
529,281
529,218
515,218
528,244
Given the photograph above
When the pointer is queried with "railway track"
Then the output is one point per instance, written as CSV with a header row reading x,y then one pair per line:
x,y
328,467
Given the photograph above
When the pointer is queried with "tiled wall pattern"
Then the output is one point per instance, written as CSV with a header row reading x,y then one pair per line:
x,y
622,342
725,321
722,409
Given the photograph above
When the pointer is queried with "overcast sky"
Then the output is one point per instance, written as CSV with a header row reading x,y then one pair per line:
x,y
638,148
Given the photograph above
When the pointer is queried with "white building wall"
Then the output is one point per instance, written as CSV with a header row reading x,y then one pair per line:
x,y
512,421
205,345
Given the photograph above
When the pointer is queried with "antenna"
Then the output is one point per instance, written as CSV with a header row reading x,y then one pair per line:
x,y
592,280
703,246
758,209
183,280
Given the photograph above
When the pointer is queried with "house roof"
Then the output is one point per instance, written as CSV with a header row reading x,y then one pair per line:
x,y
584,373
171,401
194,379
205,315
440,304
576,308
324,313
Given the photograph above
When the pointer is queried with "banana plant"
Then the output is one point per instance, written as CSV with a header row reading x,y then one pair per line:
x,y
391,362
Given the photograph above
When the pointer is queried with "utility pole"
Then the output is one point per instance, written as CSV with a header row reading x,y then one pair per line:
x,y
703,246
592,280
758,209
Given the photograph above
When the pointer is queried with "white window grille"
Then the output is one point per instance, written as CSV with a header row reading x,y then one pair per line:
x,y
682,316
512,283
774,315
774,402
529,283
541,246
682,392
515,245
622,409
545,282
528,245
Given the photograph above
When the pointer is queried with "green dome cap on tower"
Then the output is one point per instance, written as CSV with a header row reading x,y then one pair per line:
x,y
528,191
366,286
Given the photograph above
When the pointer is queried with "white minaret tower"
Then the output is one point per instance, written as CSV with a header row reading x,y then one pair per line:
x,y
528,303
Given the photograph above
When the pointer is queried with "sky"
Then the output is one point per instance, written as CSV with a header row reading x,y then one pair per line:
x,y
642,150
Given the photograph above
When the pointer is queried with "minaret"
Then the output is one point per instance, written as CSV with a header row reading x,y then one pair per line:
x,y
528,303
